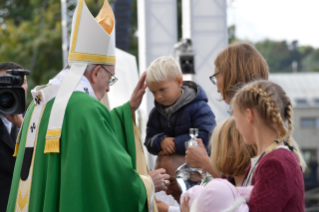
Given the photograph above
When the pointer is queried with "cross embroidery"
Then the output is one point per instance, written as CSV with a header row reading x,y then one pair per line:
x,y
86,90
32,127
38,99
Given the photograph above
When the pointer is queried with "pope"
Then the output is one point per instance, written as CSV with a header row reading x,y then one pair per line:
x,y
72,153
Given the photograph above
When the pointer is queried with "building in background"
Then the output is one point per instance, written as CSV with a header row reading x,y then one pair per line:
x,y
303,90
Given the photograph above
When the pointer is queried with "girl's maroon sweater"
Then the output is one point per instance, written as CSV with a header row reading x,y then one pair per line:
x,y
278,183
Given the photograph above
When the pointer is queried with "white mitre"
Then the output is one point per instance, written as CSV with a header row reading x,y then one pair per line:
x,y
92,42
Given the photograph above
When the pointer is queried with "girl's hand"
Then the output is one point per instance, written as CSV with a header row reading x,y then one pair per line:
x,y
197,157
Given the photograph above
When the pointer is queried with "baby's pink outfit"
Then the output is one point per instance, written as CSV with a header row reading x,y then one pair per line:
x,y
218,196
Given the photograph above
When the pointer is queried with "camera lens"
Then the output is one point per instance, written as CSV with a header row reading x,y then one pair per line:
x,y
6,100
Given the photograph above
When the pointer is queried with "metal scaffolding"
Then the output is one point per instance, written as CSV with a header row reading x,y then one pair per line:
x,y
204,22
67,10
157,35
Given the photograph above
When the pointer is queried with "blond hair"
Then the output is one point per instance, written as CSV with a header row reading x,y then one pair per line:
x,y
240,63
274,106
162,68
229,153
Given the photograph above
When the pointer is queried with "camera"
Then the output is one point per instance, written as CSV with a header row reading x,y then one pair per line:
x,y
12,95
185,56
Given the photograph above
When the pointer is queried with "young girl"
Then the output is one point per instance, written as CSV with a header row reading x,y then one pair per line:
x,y
230,156
263,115
239,63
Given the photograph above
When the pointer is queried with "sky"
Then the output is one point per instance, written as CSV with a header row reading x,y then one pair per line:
x,y
278,20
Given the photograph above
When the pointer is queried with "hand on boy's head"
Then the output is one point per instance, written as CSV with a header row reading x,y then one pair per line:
x,y
138,93
168,145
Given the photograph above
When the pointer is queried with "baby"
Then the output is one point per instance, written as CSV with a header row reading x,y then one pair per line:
x,y
218,195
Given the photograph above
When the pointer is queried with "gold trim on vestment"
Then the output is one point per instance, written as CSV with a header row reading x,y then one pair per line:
x,y
16,148
142,169
52,141
24,191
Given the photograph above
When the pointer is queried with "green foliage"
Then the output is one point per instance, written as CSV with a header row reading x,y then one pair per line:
x,y
232,34
21,35
310,63
280,54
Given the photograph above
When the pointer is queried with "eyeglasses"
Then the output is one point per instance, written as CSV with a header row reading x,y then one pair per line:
x,y
113,79
213,78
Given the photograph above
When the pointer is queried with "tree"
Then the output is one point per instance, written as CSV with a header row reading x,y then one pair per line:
x,y
310,62
21,34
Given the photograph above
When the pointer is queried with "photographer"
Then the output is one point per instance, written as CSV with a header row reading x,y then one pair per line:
x,y
9,129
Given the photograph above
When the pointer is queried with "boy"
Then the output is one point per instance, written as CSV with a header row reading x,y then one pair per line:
x,y
178,106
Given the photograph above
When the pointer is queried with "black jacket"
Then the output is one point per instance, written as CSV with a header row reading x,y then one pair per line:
x,y
7,161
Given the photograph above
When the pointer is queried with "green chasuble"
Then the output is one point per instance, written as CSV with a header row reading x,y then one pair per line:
x,y
95,169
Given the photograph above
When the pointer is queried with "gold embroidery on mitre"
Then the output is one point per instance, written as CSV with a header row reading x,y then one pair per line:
x,y
76,28
106,18
94,58
22,201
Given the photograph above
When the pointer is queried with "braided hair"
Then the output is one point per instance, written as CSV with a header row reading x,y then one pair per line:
x,y
274,106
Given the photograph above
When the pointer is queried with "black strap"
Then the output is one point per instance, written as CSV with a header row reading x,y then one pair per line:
x,y
252,170
291,148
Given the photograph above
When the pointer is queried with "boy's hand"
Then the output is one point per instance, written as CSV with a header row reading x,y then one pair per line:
x,y
168,145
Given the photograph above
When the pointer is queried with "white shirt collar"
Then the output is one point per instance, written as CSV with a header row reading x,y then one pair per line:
x,y
6,123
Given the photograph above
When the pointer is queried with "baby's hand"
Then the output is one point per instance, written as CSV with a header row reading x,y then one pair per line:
x,y
168,145
185,205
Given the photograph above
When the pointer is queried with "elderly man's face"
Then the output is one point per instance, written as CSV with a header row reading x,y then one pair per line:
x,y
101,86
170,166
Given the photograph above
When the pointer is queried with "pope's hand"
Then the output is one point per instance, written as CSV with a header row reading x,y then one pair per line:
x,y
15,119
197,157
138,93
160,179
